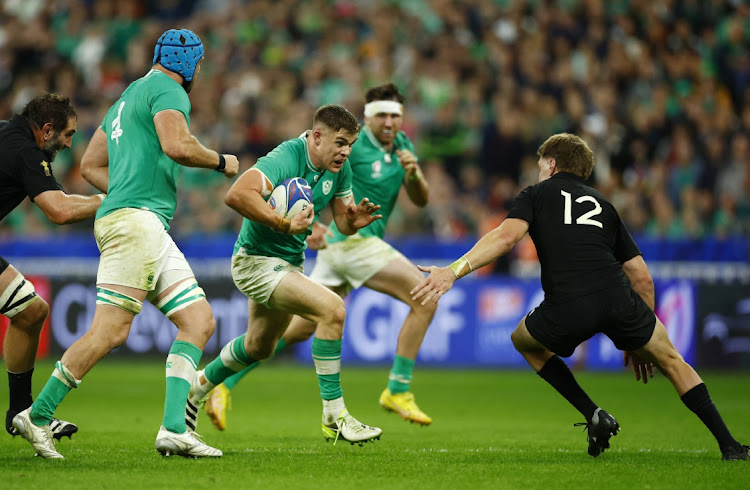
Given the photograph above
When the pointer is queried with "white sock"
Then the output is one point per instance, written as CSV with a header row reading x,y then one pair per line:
x,y
201,390
332,408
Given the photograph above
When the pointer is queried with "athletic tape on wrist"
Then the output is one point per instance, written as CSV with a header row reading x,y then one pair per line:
x,y
458,267
283,225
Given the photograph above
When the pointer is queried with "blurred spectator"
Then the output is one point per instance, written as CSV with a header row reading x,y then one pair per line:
x,y
660,89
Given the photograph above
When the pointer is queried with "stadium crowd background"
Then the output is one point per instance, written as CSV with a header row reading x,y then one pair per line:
x,y
658,88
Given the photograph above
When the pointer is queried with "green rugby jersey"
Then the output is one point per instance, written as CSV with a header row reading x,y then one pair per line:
x,y
376,175
292,159
140,174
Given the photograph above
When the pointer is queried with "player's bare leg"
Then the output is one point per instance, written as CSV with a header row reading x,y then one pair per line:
x,y
326,309
601,426
691,389
397,279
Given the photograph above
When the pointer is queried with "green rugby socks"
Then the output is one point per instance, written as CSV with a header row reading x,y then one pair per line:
x,y
232,359
58,386
327,358
182,361
231,381
400,377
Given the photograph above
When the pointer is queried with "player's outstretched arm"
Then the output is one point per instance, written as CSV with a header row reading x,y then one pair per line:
x,y
95,161
493,245
61,208
350,217
414,181
246,197
184,148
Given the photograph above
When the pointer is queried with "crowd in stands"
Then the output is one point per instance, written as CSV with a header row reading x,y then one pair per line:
x,y
660,89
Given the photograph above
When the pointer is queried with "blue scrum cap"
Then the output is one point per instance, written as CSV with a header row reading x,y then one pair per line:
x,y
179,50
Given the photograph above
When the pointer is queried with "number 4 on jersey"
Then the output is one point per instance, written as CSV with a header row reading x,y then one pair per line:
x,y
116,129
583,219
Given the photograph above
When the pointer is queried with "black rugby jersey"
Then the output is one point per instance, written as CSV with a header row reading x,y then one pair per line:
x,y
24,169
580,239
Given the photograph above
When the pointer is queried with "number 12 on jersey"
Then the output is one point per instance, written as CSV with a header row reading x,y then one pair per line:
x,y
585,218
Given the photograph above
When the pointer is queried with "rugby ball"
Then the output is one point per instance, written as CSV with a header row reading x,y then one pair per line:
x,y
290,197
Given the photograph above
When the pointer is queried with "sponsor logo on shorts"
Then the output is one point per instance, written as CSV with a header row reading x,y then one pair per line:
x,y
278,268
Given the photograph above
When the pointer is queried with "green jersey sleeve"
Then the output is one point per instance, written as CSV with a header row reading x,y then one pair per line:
x,y
281,163
174,98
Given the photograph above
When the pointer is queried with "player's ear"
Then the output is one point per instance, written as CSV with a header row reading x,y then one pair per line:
x,y
47,130
552,165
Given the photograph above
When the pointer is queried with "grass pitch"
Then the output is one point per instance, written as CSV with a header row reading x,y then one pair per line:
x,y
492,429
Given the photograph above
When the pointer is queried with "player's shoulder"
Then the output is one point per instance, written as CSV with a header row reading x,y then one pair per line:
x,y
402,140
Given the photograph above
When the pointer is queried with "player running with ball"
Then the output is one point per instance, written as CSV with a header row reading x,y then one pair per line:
x,y
382,162
268,258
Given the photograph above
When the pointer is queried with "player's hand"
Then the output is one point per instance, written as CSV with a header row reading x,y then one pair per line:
x,y
302,221
362,215
642,368
434,286
232,166
408,161
317,240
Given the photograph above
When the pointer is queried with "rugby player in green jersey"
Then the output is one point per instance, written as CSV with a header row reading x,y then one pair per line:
x,y
268,258
382,160
135,156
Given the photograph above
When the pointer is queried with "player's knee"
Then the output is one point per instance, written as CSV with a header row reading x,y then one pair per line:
x,y
334,312
32,318
118,336
427,311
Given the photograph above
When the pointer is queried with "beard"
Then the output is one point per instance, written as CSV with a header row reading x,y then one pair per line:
x,y
52,147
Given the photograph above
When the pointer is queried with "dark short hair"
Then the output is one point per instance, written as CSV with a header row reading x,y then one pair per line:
x,y
388,91
49,108
336,117
571,153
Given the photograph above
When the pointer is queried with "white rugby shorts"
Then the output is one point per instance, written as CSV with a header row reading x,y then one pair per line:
x,y
353,262
257,276
137,252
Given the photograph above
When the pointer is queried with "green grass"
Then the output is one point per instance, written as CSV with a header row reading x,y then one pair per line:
x,y
492,429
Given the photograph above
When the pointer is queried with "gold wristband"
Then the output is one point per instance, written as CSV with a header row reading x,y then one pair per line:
x,y
459,267
283,225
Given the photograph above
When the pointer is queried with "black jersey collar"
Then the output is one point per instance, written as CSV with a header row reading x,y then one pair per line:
x,y
21,122
568,175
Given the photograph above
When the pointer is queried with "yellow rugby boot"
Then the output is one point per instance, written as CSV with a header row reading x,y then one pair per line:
x,y
404,405
219,400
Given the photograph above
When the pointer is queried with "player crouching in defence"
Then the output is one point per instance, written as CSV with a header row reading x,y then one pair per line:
x,y
594,280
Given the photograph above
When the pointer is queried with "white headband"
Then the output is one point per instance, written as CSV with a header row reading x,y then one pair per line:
x,y
383,107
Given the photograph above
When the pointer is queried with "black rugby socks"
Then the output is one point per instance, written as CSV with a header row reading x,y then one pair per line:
x,y
19,385
558,374
699,402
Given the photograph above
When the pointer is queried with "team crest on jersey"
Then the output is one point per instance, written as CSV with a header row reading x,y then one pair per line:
x,y
377,169
45,166
327,187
